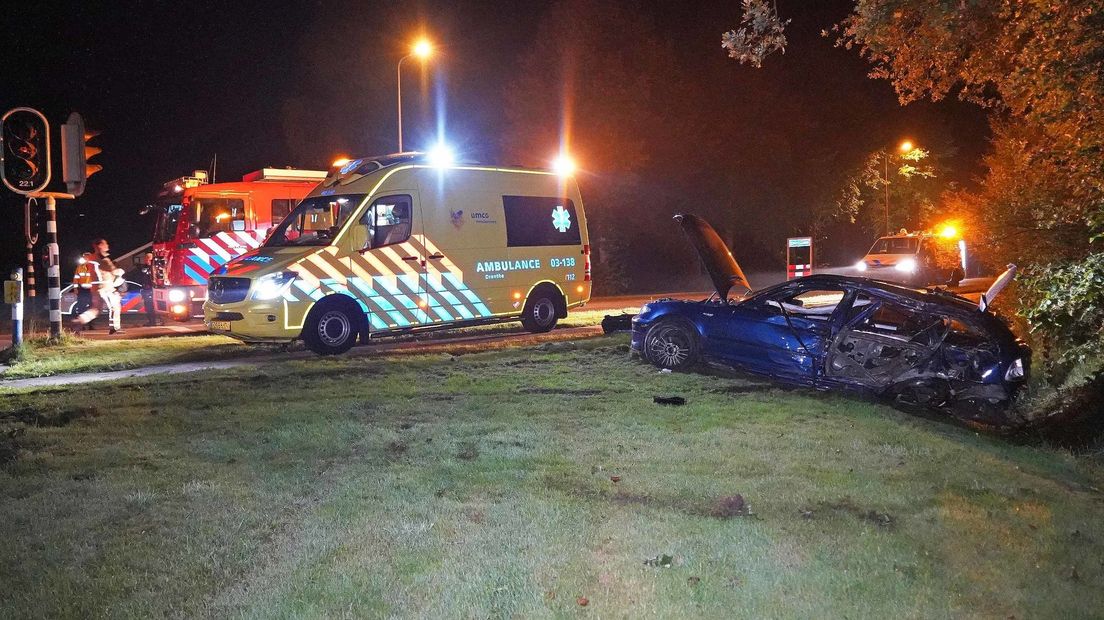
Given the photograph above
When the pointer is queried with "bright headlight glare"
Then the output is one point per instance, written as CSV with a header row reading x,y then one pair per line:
x,y
645,308
907,265
860,266
273,286
1015,370
176,295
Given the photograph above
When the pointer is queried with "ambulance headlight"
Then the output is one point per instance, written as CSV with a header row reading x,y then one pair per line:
x,y
860,266
273,286
906,265
176,295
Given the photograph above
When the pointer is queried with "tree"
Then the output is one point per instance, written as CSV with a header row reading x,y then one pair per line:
x,y
914,183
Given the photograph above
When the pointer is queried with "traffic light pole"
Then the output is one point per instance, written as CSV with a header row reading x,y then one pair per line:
x,y
53,269
31,237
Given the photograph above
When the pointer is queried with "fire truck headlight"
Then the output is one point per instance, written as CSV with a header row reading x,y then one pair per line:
x,y
176,295
906,265
860,266
273,286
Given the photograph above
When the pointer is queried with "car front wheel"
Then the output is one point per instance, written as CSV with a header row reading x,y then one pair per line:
x,y
672,344
332,326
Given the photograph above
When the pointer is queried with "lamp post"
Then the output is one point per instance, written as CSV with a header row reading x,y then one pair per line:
x,y
905,147
422,49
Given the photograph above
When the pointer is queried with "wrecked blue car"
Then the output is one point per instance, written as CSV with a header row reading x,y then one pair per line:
x,y
923,347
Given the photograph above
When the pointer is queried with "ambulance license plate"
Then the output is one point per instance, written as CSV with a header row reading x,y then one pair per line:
x,y
220,325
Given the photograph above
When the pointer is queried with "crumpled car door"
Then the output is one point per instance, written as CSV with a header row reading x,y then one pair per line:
x,y
882,343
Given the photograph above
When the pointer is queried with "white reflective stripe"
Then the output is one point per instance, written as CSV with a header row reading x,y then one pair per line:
x,y
55,316
53,271
17,311
51,226
205,257
248,240
54,293
216,248
230,243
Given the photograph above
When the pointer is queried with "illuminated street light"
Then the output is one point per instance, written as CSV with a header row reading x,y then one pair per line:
x,y
905,147
423,49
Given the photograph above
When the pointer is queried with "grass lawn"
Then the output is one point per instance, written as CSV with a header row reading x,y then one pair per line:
x,y
81,355
526,482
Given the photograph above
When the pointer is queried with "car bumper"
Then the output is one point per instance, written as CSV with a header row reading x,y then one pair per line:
x,y
250,321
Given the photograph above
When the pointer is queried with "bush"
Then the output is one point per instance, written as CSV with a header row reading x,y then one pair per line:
x,y
1064,303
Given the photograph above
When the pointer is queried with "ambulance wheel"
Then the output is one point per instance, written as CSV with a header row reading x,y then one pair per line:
x,y
542,310
333,325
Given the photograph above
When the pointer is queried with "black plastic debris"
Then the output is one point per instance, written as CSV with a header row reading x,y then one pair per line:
x,y
613,323
669,400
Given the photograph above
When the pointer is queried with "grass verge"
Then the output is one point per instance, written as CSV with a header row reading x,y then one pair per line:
x,y
526,483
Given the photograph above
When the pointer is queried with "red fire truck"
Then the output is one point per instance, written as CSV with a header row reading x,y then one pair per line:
x,y
201,226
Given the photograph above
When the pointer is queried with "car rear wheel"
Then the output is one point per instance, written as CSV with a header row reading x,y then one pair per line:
x,y
333,325
541,312
672,344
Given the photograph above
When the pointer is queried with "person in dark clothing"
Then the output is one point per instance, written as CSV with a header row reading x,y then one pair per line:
x,y
144,278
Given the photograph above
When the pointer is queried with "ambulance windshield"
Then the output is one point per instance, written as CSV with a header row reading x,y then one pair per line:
x,y
315,221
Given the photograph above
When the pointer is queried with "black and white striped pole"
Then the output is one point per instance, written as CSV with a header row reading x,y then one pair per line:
x,y
13,294
53,269
53,264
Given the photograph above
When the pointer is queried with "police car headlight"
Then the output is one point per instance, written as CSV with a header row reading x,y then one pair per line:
x,y
860,266
1015,370
176,295
273,286
906,265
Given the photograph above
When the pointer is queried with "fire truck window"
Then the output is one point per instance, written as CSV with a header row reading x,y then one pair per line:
x,y
215,215
280,208
167,220
389,220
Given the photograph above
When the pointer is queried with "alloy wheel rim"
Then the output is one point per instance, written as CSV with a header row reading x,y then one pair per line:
x,y
670,349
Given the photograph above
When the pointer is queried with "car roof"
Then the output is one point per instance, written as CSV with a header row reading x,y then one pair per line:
x,y
931,296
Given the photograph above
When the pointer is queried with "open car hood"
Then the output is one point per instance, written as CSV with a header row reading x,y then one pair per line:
x,y
718,260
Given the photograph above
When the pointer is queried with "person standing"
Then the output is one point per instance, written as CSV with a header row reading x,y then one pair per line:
x,y
145,279
87,278
111,278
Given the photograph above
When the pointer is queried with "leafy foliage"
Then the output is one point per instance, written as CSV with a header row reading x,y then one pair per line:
x,y
914,187
762,32
1066,301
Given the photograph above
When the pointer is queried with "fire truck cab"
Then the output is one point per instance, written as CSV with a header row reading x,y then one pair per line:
x,y
201,226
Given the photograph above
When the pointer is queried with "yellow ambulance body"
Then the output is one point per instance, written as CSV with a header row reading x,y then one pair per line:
x,y
394,244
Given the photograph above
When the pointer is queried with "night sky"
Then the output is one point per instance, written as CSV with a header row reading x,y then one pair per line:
x,y
296,84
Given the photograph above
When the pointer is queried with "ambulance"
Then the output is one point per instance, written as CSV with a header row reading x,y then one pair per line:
x,y
400,243
200,226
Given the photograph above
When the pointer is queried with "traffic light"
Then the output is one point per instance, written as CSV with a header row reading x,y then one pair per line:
x,y
75,153
25,150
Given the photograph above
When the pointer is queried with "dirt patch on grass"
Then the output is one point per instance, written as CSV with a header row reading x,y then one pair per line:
x,y
468,452
50,417
848,507
559,391
9,446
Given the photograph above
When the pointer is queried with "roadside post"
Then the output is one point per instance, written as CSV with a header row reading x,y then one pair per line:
x,y
13,294
799,257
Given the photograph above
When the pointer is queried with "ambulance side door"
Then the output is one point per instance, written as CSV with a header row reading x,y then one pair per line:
x,y
387,272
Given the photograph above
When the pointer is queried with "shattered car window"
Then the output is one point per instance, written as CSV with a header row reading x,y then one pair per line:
x,y
813,304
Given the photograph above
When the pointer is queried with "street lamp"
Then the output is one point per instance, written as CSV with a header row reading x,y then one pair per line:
x,y
905,147
423,49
